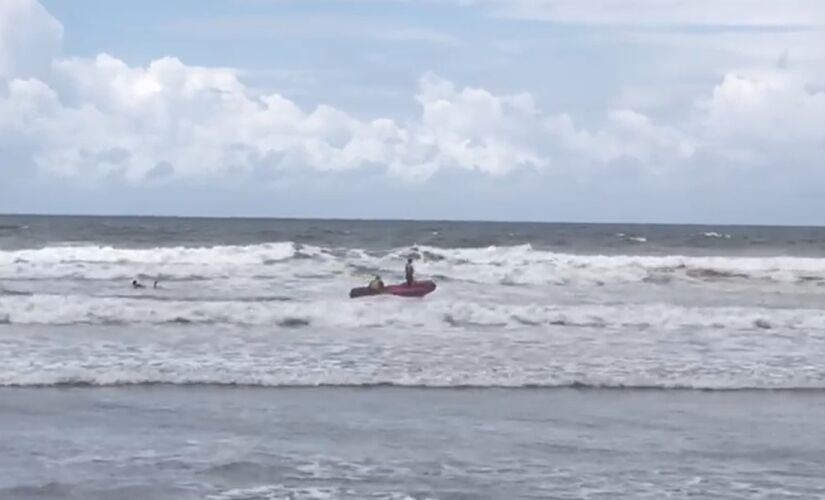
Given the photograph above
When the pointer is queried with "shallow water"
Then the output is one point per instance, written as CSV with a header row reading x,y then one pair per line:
x,y
390,443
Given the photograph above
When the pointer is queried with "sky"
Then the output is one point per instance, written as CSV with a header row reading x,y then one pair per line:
x,y
683,111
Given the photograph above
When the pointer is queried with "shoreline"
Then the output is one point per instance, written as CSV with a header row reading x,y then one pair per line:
x,y
380,386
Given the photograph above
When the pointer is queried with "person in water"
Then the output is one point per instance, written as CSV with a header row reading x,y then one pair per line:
x,y
409,272
135,284
376,283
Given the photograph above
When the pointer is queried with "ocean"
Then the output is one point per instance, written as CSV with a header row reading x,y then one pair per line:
x,y
569,361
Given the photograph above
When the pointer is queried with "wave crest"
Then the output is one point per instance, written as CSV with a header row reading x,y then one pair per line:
x,y
68,310
575,385
512,265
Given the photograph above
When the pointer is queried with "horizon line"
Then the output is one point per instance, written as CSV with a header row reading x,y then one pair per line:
x,y
403,220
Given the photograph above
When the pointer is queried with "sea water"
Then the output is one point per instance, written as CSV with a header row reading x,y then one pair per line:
x,y
553,360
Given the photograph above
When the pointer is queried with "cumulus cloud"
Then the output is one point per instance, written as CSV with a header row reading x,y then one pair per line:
x,y
29,38
626,134
764,118
103,117
475,128
93,119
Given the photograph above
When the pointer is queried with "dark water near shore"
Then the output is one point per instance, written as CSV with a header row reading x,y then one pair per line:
x,y
390,443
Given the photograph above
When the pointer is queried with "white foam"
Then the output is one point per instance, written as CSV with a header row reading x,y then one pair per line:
x,y
587,358
520,265
109,263
396,313
525,265
281,492
714,234
278,314
630,237
254,254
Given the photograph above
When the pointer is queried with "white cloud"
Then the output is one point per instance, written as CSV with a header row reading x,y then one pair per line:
x,y
103,117
476,129
764,118
29,37
90,119
626,134
659,12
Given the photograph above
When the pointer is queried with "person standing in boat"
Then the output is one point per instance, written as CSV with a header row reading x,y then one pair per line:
x,y
409,272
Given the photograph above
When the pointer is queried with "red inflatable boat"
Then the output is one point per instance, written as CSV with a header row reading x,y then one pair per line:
x,y
417,289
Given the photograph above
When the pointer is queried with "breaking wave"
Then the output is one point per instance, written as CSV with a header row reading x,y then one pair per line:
x,y
714,234
583,386
278,315
334,313
521,264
